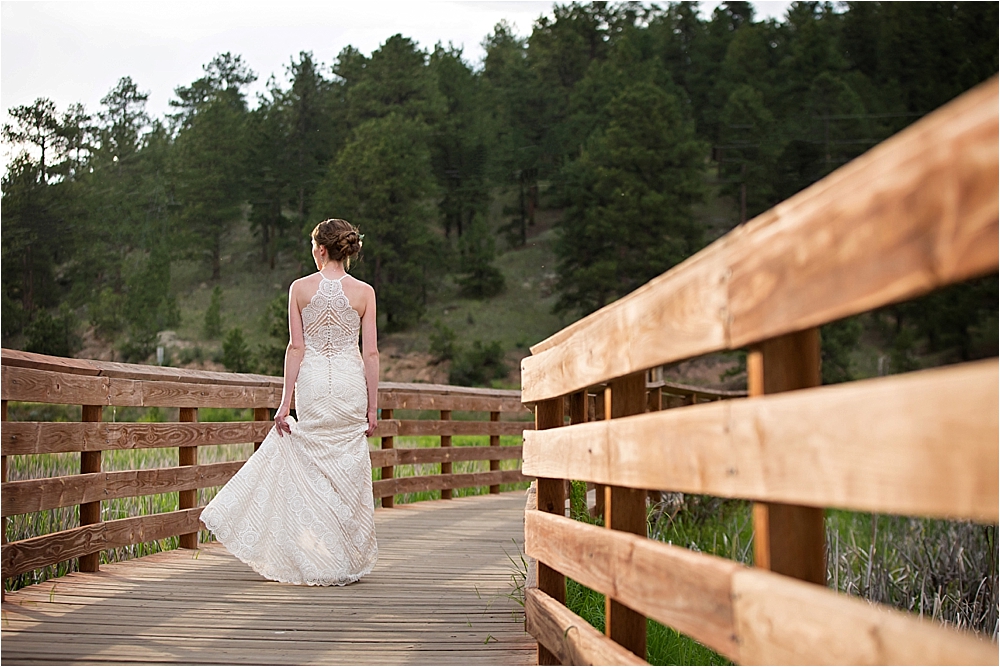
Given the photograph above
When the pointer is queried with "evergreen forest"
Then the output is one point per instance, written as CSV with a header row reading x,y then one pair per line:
x,y
628,135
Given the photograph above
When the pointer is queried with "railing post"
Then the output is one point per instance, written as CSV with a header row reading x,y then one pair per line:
x,y
388,472
259,415
552,499
494,442
602,410
788,539
90,513
3,478
625,510
446,465
188,456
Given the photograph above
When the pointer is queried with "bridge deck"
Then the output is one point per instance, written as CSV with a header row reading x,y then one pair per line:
x,y
437,596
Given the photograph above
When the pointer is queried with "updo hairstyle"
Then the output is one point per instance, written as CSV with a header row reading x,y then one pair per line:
x,y
340,238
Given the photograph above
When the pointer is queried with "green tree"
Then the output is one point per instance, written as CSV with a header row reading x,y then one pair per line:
x,y
382,182
480,278
36,124
212,327
236,355
630,193
211,153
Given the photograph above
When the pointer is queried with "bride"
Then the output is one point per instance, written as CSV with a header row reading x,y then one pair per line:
x,y
301,509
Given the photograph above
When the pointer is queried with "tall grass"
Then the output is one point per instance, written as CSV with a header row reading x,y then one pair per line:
x,y
37,466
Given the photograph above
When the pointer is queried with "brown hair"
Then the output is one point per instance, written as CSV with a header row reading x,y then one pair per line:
x,y
340,238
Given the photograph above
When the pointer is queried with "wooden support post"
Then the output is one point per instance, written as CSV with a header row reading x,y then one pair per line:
x,y
388,472
90,513
188,456
260,415
788,539
654,403
3,478
602,410
552,499
446,465
494,442
625,510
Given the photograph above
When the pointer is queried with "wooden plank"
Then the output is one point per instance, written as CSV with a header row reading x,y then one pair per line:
x,y
550,497
45,362
415,455
919,444
495,445
54,437
625,510
454,481
388,471
450,428
188,498
835,249
148,393
445,465
788,539
260,415
27,384
24,555
680,588
90,512
781,621
568,637
36,495
428,401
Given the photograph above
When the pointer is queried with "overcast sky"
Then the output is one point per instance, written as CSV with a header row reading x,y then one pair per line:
x,y
76,50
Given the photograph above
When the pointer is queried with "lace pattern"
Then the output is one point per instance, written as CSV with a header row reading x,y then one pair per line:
x,y
301,509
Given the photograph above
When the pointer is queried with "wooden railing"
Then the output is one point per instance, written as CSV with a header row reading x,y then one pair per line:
x,y
916,213
94,384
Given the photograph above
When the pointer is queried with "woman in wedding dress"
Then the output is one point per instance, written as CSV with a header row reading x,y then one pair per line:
x,y
300,510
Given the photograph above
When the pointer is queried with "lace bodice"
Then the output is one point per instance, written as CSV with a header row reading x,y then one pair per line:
x,y
329,324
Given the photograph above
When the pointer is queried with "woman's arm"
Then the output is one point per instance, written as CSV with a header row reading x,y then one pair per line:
x,y
369,351
293,360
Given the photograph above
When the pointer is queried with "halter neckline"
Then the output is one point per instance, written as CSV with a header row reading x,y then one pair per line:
x,y
332,280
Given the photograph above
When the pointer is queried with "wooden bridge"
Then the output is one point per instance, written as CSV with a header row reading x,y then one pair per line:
x,y
915,214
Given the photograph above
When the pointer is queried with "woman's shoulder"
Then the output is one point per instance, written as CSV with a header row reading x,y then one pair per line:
x,y
359,284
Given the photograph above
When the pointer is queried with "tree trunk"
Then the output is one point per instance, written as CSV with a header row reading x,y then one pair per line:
x,y
216,257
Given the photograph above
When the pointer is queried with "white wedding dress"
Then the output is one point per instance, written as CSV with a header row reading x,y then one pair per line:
x,y
300,510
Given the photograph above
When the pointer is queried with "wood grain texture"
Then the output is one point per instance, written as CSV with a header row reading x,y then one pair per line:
x,y
188,498
919,444
781,621
24,555
685,590
413,399
568,637
36,495
90,512
436,482
450,427
835,249
788,539
625,510
53,437
411,455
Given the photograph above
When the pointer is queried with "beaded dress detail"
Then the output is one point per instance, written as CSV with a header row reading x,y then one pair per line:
x,y
300,510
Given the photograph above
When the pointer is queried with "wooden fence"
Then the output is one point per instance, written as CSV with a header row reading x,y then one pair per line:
x,y
914,214
95,384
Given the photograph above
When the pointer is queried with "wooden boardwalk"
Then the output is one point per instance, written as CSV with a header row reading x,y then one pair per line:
x,y
439,595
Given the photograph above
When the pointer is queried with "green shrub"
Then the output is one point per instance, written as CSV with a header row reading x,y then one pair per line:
x,y
478,365
442,342
53,335
236,353
213,316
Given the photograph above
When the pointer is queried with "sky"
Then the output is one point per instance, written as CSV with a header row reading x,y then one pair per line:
x,y
76,50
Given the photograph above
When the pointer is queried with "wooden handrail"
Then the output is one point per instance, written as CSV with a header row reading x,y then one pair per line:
x,y
46,379
916,213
